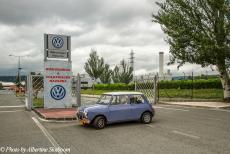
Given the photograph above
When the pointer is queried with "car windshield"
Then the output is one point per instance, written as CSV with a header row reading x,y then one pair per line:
x,y
104,99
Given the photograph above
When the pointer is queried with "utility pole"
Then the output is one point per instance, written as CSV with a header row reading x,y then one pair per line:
x,y
19,69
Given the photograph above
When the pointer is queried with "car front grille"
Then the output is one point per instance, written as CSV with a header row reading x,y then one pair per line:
x,y
80,115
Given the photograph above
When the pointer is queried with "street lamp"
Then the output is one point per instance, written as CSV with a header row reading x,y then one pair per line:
x,y
184,75
19,67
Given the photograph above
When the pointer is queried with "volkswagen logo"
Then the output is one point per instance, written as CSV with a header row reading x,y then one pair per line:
x,y
57,42
58,92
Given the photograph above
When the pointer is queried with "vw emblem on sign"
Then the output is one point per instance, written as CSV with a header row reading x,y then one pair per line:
x,y
58,92
57,42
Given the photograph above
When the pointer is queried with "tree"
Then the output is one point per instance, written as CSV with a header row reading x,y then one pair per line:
x,y
123,74
94,65
115,75
198,32
106,75
1,86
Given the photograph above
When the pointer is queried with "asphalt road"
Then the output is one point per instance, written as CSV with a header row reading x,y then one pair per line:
x,y
179,130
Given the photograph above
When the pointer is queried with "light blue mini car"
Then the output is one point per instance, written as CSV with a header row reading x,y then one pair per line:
x,y
116,107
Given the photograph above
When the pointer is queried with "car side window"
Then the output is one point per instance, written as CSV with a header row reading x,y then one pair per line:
x,y
136,99
114,100
124,99
119,100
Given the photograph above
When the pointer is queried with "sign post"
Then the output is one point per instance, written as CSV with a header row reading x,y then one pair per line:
x,y
57,71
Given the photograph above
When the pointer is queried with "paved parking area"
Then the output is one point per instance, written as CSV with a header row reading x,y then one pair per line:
x,y
174,129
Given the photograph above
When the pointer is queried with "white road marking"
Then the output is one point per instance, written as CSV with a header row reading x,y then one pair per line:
x,y
185,134
89,102
213,119
222,110
150,126
12,106
11,111
47,134
57,121
159,107
203,108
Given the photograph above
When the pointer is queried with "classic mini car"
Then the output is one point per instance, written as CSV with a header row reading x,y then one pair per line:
x,y
116,107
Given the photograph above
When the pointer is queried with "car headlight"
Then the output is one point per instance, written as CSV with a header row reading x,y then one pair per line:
x,y
85,113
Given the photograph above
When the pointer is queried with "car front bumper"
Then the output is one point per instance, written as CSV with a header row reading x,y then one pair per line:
x,y
84,121
82,118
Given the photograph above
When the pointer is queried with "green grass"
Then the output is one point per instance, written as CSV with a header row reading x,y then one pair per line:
x,y
39,102
20,94
164,93
187,93
175,93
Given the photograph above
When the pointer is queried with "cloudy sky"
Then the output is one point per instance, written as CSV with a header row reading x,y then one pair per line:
x,y
113,28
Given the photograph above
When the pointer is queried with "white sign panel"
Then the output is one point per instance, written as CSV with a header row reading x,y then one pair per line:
x,y
57,54
57,84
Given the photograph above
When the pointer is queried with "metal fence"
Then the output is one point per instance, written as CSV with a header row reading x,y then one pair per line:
x,y
148,86
34,92
189,87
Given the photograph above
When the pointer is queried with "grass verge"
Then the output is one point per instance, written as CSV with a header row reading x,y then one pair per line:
x,y
39,102
174,93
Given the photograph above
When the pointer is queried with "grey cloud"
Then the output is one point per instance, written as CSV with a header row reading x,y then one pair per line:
x,y
113,28
90,11
32,11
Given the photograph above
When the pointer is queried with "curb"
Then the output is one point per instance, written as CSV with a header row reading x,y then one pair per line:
x,y
197,106
90,96
54,119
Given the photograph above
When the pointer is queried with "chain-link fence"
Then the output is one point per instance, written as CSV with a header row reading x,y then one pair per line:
x,y
181,87
37,90
148,86
190,87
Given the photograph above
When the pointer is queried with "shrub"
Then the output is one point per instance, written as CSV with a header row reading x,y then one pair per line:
x,y
189,84
175,84
117,86
1,85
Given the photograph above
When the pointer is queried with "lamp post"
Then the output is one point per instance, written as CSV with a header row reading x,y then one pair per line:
x,y
19,68
184,75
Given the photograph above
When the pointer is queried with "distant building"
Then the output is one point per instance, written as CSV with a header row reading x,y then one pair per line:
x,y
86,81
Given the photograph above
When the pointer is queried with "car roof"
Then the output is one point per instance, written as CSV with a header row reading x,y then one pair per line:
x,y
123,93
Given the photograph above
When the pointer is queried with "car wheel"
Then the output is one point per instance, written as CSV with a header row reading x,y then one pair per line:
x,y
146,118
99,122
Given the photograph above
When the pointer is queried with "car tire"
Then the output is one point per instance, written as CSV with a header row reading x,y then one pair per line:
x,y
99,122
146,118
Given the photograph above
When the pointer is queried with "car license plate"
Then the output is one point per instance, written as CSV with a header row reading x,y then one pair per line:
x,y
81,122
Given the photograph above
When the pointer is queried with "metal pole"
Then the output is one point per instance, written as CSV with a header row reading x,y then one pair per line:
x,y
30,93
19,74
155,89
192,85
78,90
135,84
45,46
69,48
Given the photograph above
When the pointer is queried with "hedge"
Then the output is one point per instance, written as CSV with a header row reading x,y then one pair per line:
x,y
189,84
117,86
175,84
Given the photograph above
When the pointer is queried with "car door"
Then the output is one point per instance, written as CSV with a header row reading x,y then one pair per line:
x,y
119,109
138,106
